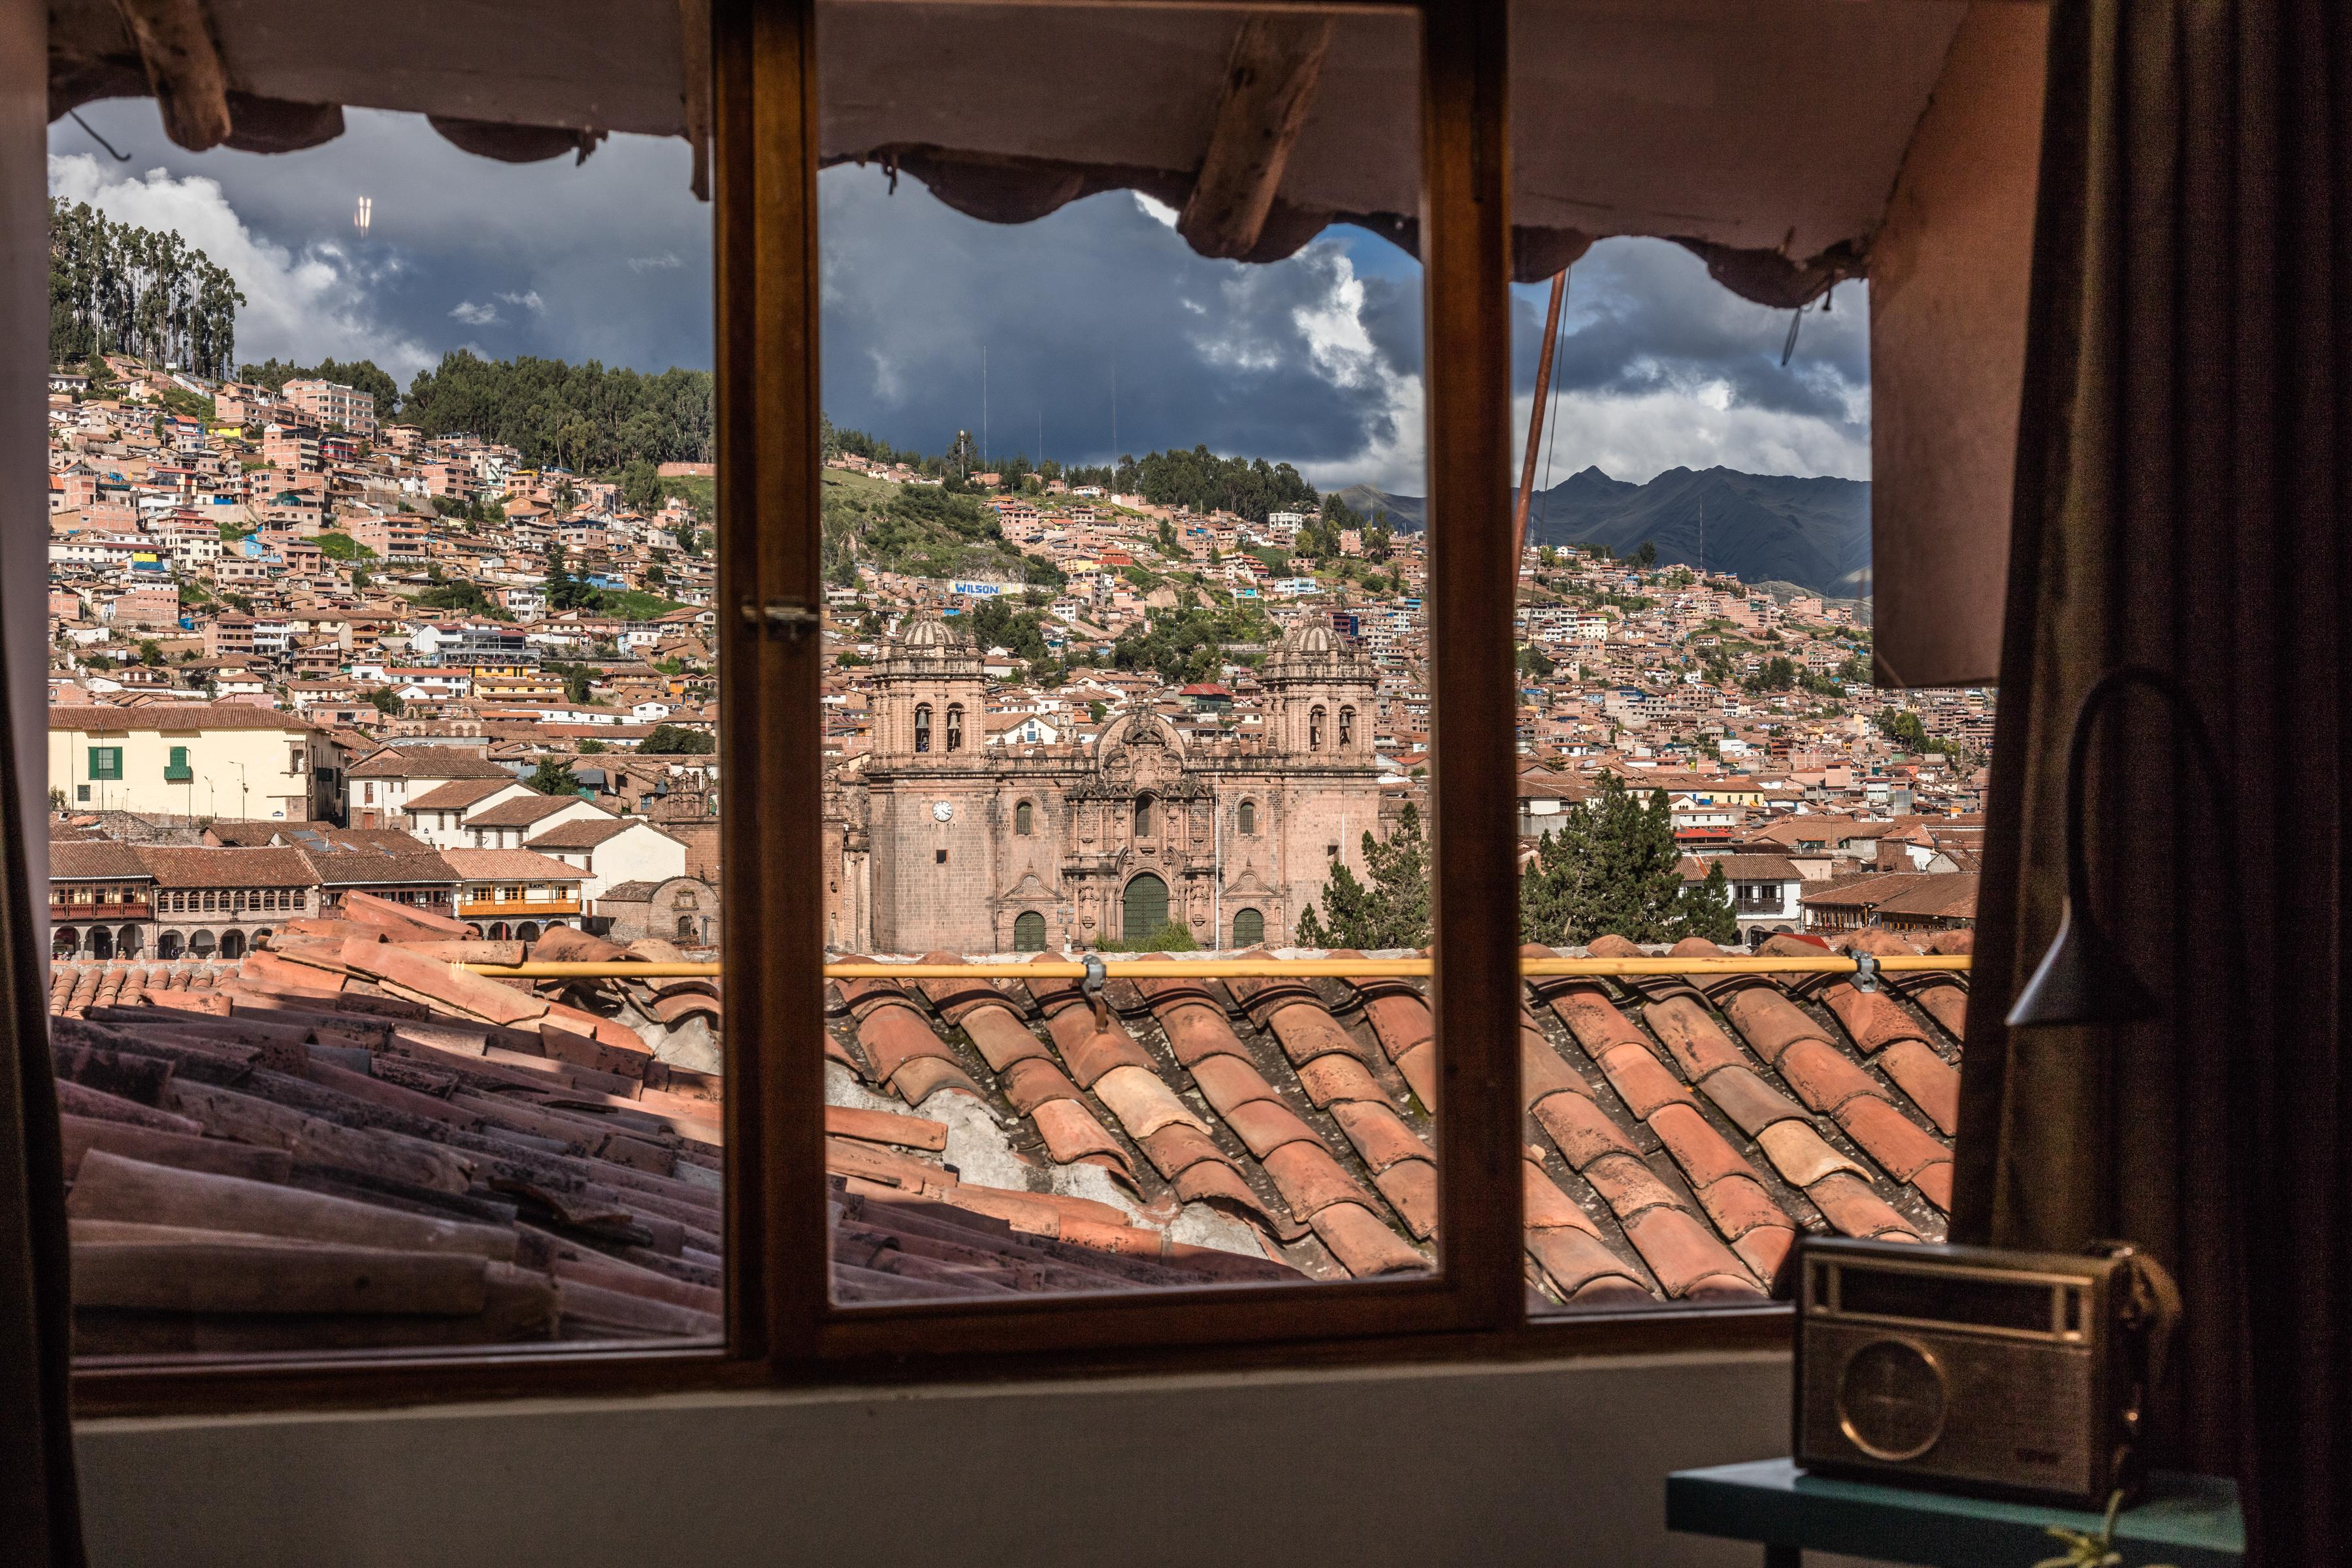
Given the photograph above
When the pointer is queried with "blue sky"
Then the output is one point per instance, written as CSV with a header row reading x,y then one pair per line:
x,y
1315,360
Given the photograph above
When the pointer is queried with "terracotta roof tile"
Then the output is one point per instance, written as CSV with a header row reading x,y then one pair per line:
x,y
1676,1154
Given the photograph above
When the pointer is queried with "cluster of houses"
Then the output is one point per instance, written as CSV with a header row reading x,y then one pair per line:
x,y
1824,819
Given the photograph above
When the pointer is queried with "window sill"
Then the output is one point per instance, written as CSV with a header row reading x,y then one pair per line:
x,y
364,1380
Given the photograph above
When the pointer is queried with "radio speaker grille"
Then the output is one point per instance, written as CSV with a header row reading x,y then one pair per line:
x,y
1890,1399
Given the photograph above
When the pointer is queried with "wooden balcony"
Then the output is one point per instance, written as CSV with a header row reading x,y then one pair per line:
x,y
103,914
516,908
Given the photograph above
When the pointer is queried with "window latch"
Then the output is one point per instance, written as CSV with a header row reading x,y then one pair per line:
x,y
1865,971
781,617
1092,985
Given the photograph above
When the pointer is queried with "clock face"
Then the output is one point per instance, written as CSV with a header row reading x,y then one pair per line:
x,y
943,810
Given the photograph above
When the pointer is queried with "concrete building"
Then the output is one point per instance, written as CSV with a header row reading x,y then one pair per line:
x,y
328,403
196,759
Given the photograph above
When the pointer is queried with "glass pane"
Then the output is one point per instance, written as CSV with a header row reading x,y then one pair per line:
x,y
1124,466
380,595
1706,770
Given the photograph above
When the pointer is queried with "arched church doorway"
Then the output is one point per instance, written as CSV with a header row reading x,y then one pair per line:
x,y
1146,909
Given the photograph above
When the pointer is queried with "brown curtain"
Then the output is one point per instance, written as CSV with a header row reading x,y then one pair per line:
x,y
40,1517
2180,498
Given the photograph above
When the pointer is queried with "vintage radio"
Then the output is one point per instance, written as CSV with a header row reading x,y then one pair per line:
x,y
1972,1369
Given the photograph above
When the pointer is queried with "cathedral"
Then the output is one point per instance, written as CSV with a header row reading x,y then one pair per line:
x,y
938,841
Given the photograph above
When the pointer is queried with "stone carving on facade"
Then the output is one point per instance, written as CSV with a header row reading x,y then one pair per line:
x,y
1089,841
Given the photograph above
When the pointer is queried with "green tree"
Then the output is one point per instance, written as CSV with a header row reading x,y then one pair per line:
x,y
1645,557
387,702
564,591
1706,908
151,653
552,776
1611,868
1392,911
677,740
593,748
115,288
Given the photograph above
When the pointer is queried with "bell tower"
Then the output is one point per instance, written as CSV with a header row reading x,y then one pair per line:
x,y
929,690
1323,694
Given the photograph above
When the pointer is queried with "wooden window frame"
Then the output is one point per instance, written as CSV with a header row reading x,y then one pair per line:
x,y
783,1329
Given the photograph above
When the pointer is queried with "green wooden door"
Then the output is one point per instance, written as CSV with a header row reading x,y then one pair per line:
x,y
1147,908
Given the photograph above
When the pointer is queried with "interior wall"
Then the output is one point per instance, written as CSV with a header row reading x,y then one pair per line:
x,y
1547,1463
24,404
1950,272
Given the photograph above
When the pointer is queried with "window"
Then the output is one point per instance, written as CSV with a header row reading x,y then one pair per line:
x,y
1029,931
839,877
106,761
177,771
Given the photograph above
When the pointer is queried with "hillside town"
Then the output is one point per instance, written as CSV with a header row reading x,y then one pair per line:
x,y
298,650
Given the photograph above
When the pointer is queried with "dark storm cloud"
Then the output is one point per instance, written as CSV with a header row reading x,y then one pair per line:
x,y
1315,360
609,260
1280,360
1642,316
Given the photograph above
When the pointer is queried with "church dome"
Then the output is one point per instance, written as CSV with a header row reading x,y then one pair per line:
x,y
1311,639
930,633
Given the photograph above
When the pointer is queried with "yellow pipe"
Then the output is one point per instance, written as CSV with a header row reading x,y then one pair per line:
x,y
1239,968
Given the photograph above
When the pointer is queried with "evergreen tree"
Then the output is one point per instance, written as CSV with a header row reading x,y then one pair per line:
x,y
115,288
1394,911
1706,908
1612,870
552,776
564,591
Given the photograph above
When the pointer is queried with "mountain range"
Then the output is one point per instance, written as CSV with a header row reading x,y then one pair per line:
x,y
1760,528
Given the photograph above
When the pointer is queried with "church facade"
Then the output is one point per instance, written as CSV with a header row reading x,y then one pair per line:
x,y
937,842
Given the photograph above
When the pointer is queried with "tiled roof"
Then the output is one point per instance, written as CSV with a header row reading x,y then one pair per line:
x,y
1677,1137
522,813
586,834
1922,893
526,864
91,859
459,793
372,868
1755,868
982,1137
226,868
176,716
428,762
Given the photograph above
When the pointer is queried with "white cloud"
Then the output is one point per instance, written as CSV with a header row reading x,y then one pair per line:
x,y
474,315
528,300
663,262
1640,437
308,307
1160,212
